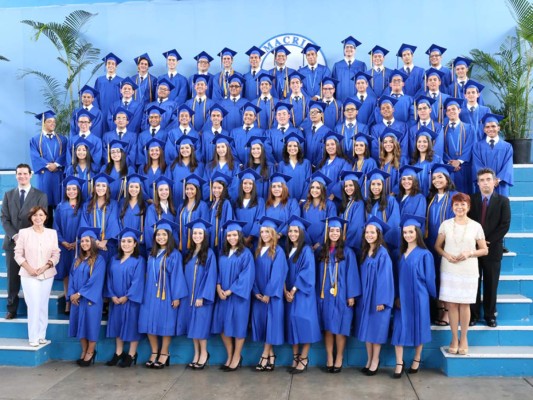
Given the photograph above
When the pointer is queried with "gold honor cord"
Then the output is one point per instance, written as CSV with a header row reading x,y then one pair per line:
x,y
162,277
462,137
194,281
442,212
332,290
102,234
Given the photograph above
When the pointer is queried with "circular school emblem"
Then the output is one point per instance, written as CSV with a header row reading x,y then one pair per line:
x,y
294,43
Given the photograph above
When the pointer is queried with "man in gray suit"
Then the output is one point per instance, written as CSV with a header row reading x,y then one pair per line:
x,y
15,208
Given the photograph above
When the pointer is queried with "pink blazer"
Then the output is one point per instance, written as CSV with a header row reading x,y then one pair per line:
x,y
37,249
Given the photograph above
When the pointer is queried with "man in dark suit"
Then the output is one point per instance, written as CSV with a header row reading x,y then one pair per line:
x,y
493,212
15,208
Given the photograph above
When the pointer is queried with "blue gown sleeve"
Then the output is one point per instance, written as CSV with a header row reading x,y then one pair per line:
x,y
385,281
177,277
353,283
274,286
108,286
427,267
92,289
209,282
305,280
135,292
242,286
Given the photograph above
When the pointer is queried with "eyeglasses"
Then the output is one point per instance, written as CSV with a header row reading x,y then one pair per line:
x,y
84,122
234,86
350,109
315,112
327,88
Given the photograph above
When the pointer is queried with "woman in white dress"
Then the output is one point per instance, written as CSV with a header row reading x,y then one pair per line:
x,y
460,242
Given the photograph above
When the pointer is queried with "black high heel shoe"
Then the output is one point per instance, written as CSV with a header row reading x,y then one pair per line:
x,y
364,370
295,358
398,375
150,363
271,365
116,358
295,370
81,358
199,366
127,360
192,364
412,370
260,367
159,365
86,363
229,369
374,372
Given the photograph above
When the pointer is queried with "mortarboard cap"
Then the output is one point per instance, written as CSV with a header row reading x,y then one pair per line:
x,y
111,56
405,47
350,40
84,231
255,50
143,56
378,50
412,220
435,48
172,52
199,224
203,56
379,224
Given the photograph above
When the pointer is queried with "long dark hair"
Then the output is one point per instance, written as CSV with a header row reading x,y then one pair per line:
x,y
90,254
197,197
140,203
202,253
78,198
157,203
88,159
339,249
429,153
419,241
339,152
171,244
365,248
123,165
382,200
357,196
120,252
299,245
263,170
415,188
433,190
193,162
253,196
299,156
322,198
230,160
240,245
94,198
160,160
223,198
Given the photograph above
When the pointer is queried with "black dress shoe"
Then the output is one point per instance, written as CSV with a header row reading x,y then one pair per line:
x,y
505,249
473,322
11,315
491,323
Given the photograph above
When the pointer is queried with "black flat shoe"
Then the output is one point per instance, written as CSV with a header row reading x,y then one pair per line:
x,y
398,375
491,323
412,370
116,358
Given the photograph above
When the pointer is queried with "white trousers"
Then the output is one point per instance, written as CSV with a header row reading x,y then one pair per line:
x,y
37,295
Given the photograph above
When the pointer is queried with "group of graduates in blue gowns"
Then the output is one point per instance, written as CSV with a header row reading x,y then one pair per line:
x,y
239,156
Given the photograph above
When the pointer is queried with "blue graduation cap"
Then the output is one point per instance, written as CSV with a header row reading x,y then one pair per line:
x,y
249,173
379,224
85,113
118,144
172,52
300,222
320,178
154,142
412,220
453,101
425,100
227,52
445,169
135,178
83,142
377,174
434,72
389,132
232,225
129,233
155,110
220,138
165,224
256,140
329,81
218,107
293,137
362,75
195,180
278,177
350,100
143,56
489,117
113,57
404,47
409,170
203,56
425,131
281,49
86,231
186,139
163,180
103,178
184,107
128,81
350,176
199,223
87,89
165,82
335,222
400,73
378,50
200,78
221,177
435,48
255,50
296,75
462,61
317,105
236,78
332,135
281,106
473,84
362,137
350,40
387,99
264,77
122,110
45,115
267,222
73,180
310,47
248,106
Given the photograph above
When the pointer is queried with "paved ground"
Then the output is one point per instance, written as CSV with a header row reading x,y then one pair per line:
x,y
65,380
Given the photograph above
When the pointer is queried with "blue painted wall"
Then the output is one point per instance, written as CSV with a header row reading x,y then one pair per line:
x,y
131,28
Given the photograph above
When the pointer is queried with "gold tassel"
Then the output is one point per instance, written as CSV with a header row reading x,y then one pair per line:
x,y
323,280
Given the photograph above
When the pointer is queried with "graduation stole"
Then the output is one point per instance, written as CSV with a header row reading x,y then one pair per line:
x,y
58,141
216,222
223,82
334,101
149,79
333,289
345,214
188,230
123,188
162,277
102,235
194,280
462,138
303,109
356,130
194,107
442,211
382,74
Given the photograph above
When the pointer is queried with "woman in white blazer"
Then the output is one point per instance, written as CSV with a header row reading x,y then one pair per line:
x,y
37,253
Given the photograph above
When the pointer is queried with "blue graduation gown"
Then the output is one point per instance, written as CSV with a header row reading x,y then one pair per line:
x,y
332,170
108,223
183,218
300,175
366,112
251,87
108,93
300,109
276,141
378,289
85,319
192,90
355,215
117,186
332,113
499,159
315,233
43,151
201,114
392,183
171,152
216,233
390,215
235,273
364,166
283,213
348,132
473,118
164,275
314,147
97,123
415,277
415,81
281,81
438,143
424,176
225,169
129,137
201,283
151,218
379,127
132,219
142,139
87,174
458,145
220,84
234,117
251,215
301,316
135,107
125,279
168,105
314,78
240,138
344,74
180,93
66,224
265,117
380,80
96,150
179,172
147,91
437,212
413,205
333,312
151,176
268,319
